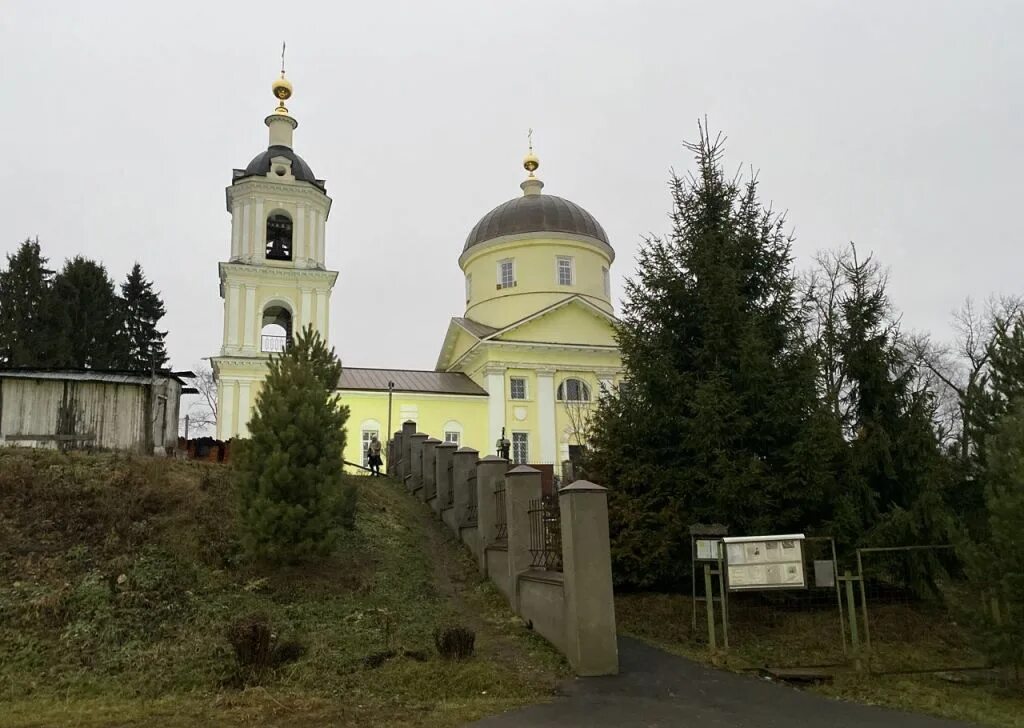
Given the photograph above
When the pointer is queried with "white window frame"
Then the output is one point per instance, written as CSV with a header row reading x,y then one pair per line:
x,y
520,443
454,437
510,280
606,279
469,286
511,391
570,268
562,393
367,437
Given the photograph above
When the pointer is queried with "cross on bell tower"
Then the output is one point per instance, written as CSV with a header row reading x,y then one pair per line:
x,y
275,281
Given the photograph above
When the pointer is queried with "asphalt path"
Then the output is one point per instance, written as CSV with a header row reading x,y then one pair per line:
x,y
656,689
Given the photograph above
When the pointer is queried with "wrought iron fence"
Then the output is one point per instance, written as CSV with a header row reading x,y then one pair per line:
x,y
471,504
500,517
546,533
449,496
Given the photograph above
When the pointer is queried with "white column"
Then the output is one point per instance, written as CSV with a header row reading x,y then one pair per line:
x,y
231,314
245,244
321,314
320,238
259,231
226,410
306,310
249,338
495,374
605,381
244,409
301,251
311,233
546,416
236,231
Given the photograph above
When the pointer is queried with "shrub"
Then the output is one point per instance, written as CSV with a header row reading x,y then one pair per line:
x,y
295,501
454,643
252,641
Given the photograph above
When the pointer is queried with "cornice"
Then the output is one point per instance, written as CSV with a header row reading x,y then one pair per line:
x,y
537,237
257,187
267,271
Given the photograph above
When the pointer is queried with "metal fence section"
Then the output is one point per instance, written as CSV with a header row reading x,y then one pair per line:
x,y
908,614
449,492
500,515
471,500
789,628
546,533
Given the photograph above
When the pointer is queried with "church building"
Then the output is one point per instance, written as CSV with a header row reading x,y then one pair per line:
x,y
530,355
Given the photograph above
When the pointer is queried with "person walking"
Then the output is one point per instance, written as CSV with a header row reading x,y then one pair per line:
x,y
373,458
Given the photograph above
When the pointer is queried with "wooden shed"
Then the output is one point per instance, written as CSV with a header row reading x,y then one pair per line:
x,y
90,409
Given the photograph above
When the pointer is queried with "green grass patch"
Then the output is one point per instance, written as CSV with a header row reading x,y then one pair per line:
x,y
121,576
778,637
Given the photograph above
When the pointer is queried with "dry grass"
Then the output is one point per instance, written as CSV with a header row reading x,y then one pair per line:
x,y
119,576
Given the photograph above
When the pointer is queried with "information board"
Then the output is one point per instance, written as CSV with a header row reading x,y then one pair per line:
x,y
765,562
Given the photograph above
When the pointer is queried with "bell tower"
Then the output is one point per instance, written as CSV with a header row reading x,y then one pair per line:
x,y
275,281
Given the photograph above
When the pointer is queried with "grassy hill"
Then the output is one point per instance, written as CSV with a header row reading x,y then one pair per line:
x,y
120,576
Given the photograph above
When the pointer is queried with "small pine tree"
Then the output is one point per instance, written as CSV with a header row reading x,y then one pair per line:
x,y
25,330
294,498
142,310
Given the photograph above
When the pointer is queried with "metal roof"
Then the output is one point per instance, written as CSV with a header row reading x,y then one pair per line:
x,y
91,375
476,328
261,163
532,214
373,380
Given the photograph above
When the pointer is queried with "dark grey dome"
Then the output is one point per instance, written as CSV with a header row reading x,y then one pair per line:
x,y
260,166
534,214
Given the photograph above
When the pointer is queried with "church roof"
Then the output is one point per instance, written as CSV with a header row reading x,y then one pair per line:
x,y
534,213
260,166
476,328
407,380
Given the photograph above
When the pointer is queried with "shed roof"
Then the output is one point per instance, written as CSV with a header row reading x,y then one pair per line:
x,y
92,375
408,380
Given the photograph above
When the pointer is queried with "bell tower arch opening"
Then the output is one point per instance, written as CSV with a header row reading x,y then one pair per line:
x,y
276,331
279,236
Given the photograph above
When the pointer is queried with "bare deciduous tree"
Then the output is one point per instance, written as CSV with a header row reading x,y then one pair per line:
x,y
202,411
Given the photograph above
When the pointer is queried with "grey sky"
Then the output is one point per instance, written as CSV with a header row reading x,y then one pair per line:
x,y
894,124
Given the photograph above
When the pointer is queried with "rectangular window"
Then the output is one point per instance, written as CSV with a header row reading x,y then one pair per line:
x,y
565,270
454,438
506,273
607,283
517,388
469,286
520,447
367,436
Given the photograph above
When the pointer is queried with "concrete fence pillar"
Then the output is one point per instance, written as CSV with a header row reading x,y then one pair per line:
x,y
416,461
591,644
490,472
442,483
408,430
429,452
522,485
464,463
395,454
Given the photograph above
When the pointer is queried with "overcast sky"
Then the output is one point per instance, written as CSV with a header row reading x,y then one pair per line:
x,y
899,125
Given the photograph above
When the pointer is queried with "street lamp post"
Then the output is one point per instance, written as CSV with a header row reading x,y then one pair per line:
x,y
391,437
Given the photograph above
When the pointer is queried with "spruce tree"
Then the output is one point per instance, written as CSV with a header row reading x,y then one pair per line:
x,y
721,421
142,309
88,316
295,501
25,326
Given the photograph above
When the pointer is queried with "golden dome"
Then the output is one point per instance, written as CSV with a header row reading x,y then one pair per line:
x,y
531,162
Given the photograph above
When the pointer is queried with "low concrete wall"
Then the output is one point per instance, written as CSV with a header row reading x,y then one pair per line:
x,y
542,604
497,569
471,538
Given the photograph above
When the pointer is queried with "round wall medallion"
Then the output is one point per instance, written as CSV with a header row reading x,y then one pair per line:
x,y
519,413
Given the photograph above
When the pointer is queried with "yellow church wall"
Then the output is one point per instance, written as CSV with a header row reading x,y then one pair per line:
x,y
536,278
431,412
571,324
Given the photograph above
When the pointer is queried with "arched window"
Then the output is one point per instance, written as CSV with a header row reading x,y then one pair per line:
x,y
279,237
368,430
276,333
573,390
453,432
